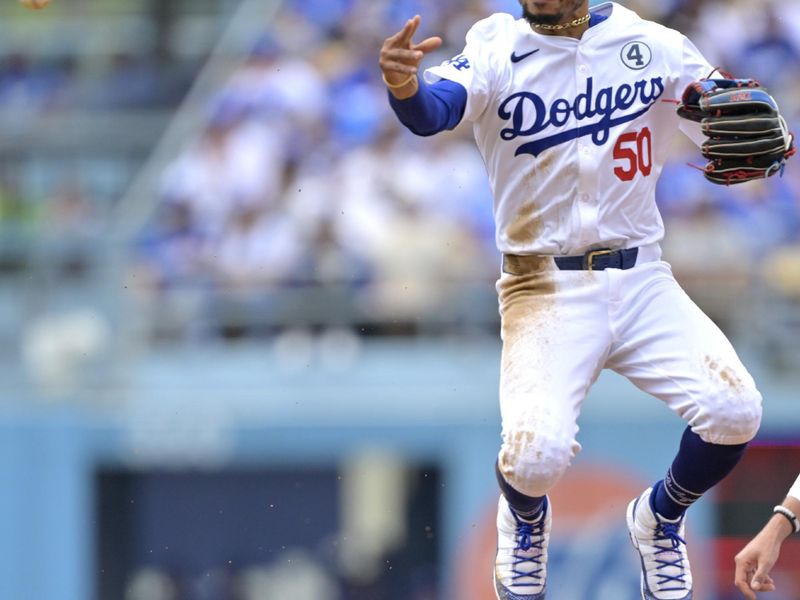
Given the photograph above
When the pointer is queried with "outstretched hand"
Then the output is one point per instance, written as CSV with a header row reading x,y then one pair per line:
x,y
400,58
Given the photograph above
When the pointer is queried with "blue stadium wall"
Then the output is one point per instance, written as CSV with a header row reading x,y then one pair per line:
x,y
427,402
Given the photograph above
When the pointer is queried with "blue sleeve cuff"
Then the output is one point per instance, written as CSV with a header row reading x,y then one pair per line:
x,y
433,108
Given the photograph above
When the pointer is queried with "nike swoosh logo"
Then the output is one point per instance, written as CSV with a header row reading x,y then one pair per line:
x,y
515,58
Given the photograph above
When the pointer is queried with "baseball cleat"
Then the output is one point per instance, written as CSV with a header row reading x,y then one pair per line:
x,y
520,568
660,542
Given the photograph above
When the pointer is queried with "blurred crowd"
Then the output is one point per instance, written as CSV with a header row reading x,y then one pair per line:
x,y
302,175
120,80
300,194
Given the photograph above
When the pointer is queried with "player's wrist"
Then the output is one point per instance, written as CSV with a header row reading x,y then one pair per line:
x,y
404,89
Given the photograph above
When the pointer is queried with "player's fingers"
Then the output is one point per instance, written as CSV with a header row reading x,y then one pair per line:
x,y
428,45
411,57
397,38
409,30
393,66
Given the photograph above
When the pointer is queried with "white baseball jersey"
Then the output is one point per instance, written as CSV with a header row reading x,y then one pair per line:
x,y
574,133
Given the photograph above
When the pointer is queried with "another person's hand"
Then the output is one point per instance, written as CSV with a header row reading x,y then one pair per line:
x,y
756,559
400,59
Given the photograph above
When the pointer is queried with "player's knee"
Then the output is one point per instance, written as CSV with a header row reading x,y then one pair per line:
x,y
738,420
532,462
747,414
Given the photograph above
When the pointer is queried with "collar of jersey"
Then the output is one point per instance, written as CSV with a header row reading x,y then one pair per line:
x,y
606,9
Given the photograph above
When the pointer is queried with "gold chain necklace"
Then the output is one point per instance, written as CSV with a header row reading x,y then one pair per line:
x,y
574,23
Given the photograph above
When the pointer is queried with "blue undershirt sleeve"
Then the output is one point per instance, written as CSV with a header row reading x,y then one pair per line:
x,y
433,108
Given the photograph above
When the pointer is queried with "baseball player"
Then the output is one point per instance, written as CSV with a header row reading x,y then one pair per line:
x,y
757,558
573,111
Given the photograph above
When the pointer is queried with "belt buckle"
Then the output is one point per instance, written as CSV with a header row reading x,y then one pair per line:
x,y
588,258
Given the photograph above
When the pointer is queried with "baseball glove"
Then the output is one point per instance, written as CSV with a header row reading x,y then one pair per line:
x,y
747,136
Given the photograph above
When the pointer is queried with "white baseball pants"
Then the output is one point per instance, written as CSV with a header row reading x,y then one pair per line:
x,y
560,328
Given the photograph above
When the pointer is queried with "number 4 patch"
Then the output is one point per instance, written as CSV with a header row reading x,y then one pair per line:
x,y
636,55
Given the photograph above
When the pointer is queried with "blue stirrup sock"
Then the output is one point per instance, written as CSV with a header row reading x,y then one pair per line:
x,y
697,468
526,507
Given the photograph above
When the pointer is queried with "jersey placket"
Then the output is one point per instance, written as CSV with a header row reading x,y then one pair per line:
x,y
586,190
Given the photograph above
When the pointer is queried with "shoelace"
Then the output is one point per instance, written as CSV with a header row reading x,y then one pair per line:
x,y
668,532
530,536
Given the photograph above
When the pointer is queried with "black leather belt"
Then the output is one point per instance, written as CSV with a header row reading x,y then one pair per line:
x,y
598,260
593,260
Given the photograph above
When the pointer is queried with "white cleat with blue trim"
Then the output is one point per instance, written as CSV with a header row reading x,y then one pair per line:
x,y
665,564
520,571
